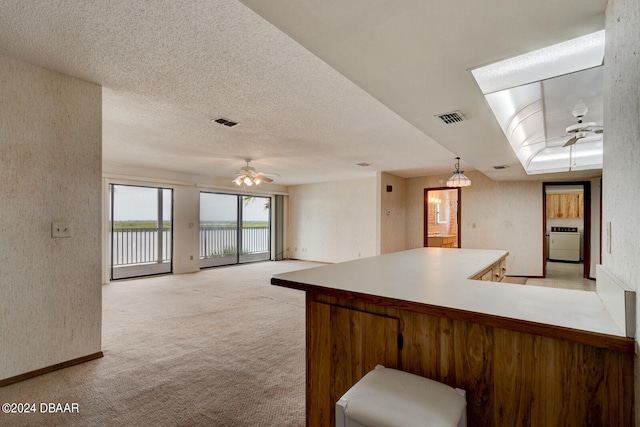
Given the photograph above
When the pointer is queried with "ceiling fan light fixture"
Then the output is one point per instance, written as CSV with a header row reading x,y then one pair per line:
x,y
458,179
248,176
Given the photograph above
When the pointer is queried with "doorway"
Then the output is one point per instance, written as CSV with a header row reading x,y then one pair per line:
x,y
442,217
567,229
141,227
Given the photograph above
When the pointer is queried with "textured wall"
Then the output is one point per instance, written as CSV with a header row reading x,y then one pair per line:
x,y
621,170
50,167
495,215
392,213
333,221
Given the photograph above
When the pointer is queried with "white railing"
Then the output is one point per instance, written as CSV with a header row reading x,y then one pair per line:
x,y
141,245
220,241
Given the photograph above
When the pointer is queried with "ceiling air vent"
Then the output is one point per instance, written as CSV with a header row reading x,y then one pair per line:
x,y
499,167
451,118
225,122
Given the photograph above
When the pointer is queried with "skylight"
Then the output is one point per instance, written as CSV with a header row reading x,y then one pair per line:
x,y
532,97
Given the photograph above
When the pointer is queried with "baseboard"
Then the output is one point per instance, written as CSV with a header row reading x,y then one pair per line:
x,y
42,371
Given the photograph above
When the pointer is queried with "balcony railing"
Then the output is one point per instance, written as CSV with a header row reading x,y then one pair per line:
x,y
220,241
141,246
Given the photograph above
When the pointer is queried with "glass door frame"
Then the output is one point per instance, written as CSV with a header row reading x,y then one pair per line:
x,y
239,228
152,267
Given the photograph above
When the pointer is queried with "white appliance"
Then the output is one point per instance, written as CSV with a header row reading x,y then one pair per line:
x,y
564,244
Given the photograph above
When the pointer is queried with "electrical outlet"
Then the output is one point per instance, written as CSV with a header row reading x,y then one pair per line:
x,y
60,229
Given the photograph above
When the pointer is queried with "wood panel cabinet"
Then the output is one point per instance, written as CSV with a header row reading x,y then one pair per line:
x,y
448,241
510,377
565,205
340,351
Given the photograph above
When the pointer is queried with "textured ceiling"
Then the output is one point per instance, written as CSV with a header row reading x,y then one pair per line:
x,y
337,84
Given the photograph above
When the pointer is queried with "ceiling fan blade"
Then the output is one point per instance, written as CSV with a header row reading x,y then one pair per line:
x,y
571,141
263,178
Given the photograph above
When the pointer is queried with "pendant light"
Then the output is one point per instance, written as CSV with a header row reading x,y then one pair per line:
x,y
458,179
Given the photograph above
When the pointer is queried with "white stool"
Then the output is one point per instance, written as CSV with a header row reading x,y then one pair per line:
x,y
388,397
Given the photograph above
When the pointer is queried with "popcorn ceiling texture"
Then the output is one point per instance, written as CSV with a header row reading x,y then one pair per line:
x,y
168,67
50,169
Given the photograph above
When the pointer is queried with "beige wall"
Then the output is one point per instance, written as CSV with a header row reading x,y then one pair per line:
x,y
621,171
50,167
392,213
495,215
334,221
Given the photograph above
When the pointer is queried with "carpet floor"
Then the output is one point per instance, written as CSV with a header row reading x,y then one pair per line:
x,y
221,347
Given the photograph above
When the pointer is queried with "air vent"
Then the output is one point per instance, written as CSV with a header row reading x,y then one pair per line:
x,y
498,167
363,164
451,118
225,122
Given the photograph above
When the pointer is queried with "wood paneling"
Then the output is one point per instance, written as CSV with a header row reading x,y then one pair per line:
x,y
340,351
511,377
565,205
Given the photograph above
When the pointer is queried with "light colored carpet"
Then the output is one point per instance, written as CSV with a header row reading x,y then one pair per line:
x,y
221,347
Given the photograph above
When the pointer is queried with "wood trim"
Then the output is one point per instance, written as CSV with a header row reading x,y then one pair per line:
x,y
600,230
586,223
586,200
544,230
611,342
425,204
46,370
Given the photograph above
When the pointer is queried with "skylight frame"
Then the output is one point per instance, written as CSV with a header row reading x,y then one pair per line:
x,y
556,60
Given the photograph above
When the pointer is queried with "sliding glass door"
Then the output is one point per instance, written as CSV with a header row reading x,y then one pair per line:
x,y
234,229
256,229
140,230
218,229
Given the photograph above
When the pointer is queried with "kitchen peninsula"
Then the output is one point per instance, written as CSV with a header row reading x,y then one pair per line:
x,y
525,355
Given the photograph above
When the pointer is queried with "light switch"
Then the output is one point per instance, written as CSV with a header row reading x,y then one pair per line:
x,y
60,229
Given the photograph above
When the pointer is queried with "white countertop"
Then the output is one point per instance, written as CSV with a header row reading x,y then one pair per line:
x,y
440,277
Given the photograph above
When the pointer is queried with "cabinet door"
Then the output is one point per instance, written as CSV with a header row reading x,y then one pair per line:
x,y
342,346
554,208
565,205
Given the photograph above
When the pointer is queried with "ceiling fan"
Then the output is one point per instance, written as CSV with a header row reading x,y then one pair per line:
x,y
248,176
581,129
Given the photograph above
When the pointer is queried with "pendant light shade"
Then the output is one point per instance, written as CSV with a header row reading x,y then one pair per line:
x,y
458,179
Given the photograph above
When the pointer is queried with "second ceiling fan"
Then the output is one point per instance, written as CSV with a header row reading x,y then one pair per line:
x,y
581,129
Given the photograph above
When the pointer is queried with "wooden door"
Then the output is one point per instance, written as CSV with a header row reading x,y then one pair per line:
x,y
342,346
